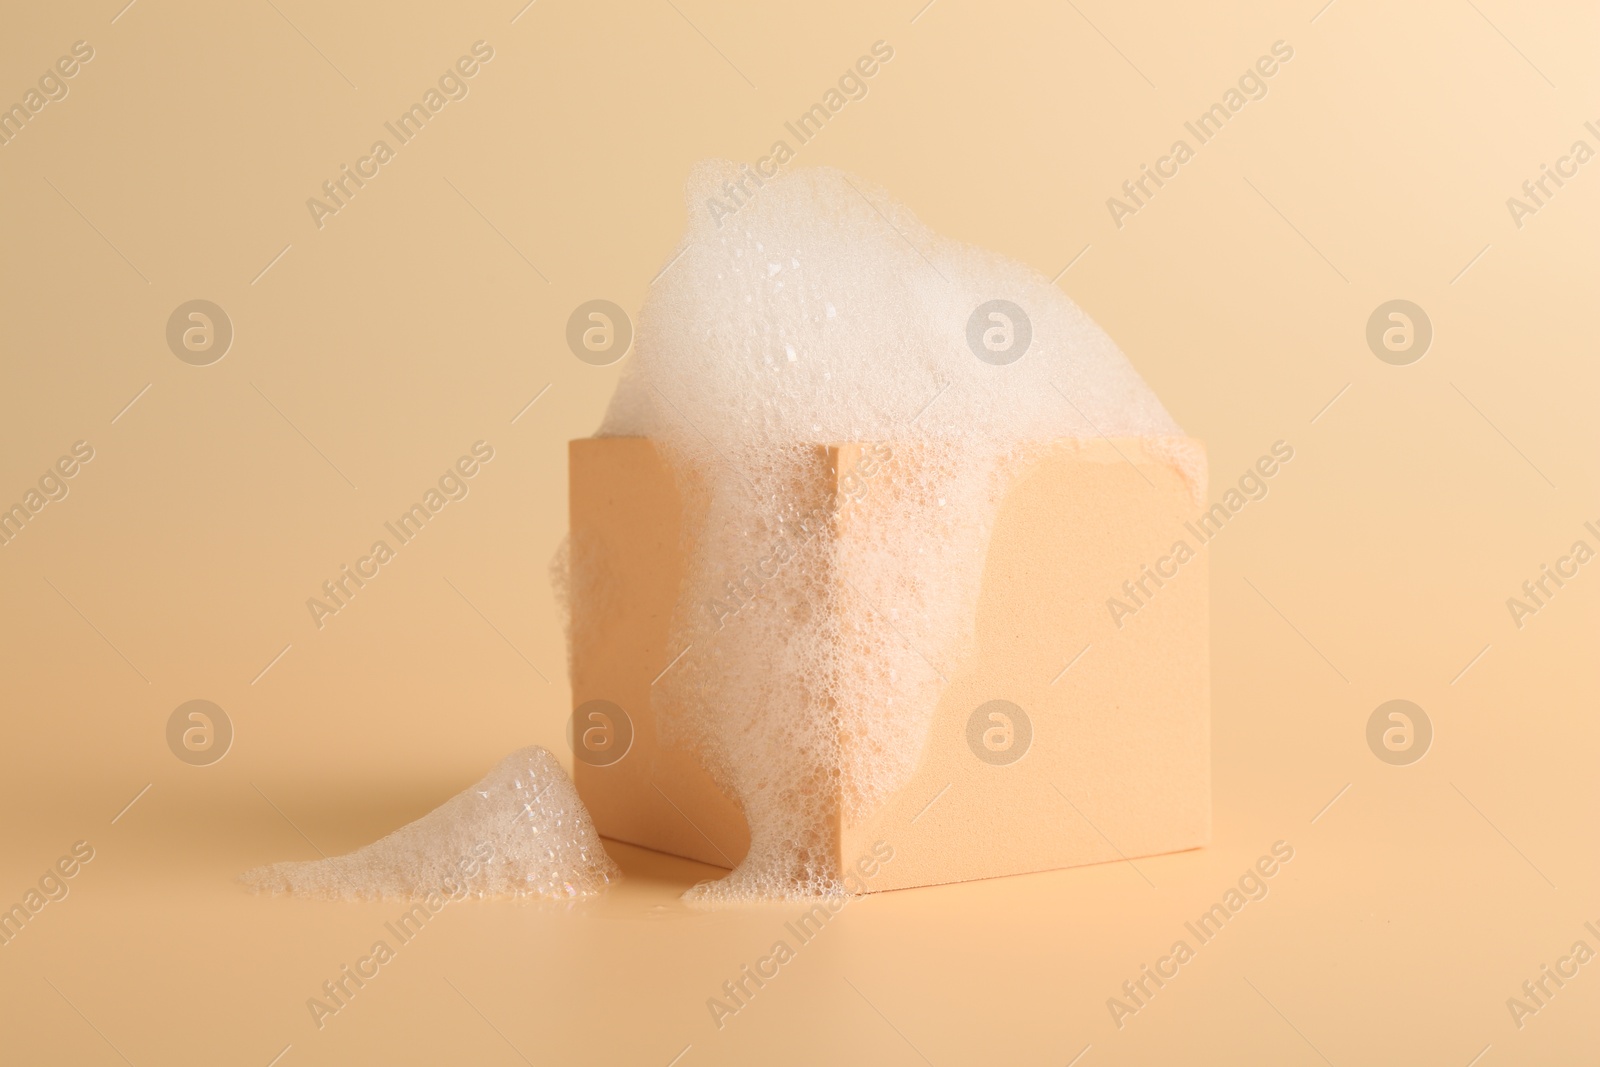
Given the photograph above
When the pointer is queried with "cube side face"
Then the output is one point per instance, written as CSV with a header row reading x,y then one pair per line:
x,y
1114,706
627,568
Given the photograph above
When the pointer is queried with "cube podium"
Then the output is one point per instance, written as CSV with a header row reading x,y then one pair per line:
x,y
1069,734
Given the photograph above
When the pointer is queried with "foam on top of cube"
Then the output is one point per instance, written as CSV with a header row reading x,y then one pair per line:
x,y
519,831
823,312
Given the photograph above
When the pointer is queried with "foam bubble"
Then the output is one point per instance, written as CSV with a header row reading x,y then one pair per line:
x,y
823,312
519,831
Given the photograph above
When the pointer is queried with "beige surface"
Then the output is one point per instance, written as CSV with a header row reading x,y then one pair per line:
x,y
1377,167
1122,742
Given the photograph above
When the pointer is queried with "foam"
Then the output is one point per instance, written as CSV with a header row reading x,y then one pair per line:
x,y
824,312
519,831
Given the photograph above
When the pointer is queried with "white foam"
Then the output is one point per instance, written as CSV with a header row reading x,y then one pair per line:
x,y
824,312
519,831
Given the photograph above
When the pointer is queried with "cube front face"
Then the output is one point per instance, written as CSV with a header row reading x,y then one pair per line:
x,y
627,566
1101,747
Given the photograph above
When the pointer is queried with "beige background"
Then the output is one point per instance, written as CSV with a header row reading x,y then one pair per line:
x,y
424,316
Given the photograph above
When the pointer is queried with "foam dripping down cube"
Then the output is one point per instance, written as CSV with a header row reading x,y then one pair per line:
x,y
1062,738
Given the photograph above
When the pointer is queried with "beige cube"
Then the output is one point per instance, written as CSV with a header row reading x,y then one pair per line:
x,y
1101,747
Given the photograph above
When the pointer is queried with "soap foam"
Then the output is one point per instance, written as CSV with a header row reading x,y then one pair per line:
x,y
825,313
519,831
